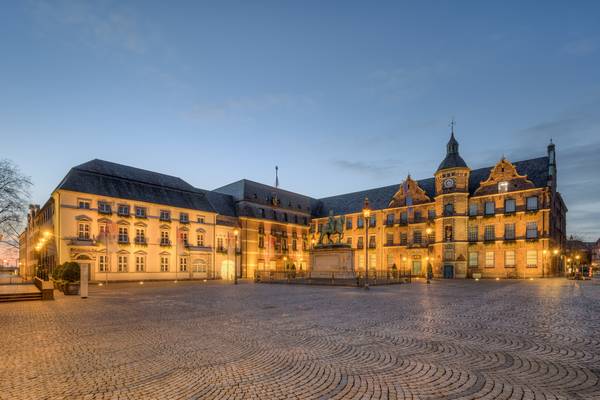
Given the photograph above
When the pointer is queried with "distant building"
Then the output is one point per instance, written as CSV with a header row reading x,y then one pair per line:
x,y
126,223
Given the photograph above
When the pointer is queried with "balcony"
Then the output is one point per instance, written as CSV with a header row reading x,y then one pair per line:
x,y
77,241
510,239
165,242
198,248
221,249
141,240
123,240
416,245
489,240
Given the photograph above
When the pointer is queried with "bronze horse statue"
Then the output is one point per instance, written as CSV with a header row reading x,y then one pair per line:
x,y
333,227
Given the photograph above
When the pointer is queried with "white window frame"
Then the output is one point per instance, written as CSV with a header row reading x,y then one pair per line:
x,y
164,263
122,262
473,261
490,261
531,259
502,187
510,259
83,231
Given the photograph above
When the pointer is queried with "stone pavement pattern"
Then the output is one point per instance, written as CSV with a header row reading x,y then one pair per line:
x,y
449,340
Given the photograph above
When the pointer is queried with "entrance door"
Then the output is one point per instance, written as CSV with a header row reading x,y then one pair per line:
x,y
416,267
199,268
227,270
448,271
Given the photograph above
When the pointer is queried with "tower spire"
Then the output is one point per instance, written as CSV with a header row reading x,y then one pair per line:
x,y
276,176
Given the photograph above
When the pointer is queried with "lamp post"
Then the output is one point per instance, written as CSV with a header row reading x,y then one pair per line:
x,y
235,275
554,261
367,215
403,267
427,268
544,262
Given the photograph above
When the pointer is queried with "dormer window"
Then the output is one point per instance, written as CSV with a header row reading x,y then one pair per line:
x,y
104,207
503,187
123,210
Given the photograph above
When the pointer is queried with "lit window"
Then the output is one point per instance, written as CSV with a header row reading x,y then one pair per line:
x,y
532,258
164,264
473,259
122,263
509,258
102,264
489,259
417,237
140,263
502,187
84,231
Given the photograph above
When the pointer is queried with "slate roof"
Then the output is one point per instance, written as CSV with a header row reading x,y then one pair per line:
x,y
105,178
536,170
453,160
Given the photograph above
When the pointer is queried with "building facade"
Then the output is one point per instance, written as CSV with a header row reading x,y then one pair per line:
x,y
125,223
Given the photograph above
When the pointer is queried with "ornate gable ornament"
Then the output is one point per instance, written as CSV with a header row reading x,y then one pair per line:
x,y
409,193
504,171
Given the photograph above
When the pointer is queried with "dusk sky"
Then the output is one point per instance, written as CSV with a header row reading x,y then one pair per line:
x,y
342,96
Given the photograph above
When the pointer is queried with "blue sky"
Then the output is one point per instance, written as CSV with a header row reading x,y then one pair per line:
x,y
343,96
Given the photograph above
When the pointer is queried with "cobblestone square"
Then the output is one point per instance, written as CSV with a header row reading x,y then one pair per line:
x,y
448,340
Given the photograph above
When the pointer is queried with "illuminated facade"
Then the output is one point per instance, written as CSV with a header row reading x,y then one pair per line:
x,y
125,223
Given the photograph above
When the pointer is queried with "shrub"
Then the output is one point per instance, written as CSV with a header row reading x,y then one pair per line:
x,y
57,272
70,272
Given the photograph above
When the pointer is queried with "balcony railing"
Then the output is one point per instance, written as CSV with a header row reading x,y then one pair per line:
x,y
140,240
165,242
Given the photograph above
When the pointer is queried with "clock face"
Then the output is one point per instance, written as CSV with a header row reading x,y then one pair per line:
x,y
449,183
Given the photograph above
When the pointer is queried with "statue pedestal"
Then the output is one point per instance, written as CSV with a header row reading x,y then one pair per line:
x,y
337,259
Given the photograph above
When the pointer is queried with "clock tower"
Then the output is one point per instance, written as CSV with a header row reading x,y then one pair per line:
x,y
452,204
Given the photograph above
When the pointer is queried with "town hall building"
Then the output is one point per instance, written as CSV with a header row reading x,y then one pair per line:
x,y
124,223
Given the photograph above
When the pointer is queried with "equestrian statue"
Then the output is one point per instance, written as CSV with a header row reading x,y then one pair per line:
x,y
333,227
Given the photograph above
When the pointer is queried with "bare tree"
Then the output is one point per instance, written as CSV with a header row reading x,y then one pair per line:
x,y
14,199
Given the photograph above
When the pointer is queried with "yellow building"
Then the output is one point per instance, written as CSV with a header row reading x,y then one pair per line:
x,y
126,223
503,221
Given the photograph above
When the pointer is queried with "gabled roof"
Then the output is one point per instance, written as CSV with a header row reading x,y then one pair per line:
x,y
105,178
536,170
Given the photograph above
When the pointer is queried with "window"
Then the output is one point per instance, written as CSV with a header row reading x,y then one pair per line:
x,y
417,216
361,260
349,241
403,217
531,258
140,235
509,258
532,203
285,217
122,263
295,219
431,214
140,263
284,244
509,231
349,223
510,206
473,209
372,242
104,207
320,227
261,212
359,244
200,240
183,236
261,242
489,259
84,231
473,259
490,208
473,233
372,261
403,239
389,220
85,204
305,219
417,237
532,232
372,221
360,222
164,238
503,187
140,212
220,243
449,209
165,215
102,264
123,235
182,264
390,261
389,239
449,253
448,233
184,218
490,233
294,244
123,210
164,264
200,219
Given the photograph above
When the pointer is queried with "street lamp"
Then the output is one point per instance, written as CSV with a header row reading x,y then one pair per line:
x,y
544,262
235,275
367,215
427,268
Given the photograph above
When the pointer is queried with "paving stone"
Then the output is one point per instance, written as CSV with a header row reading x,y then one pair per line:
x,y
448,340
